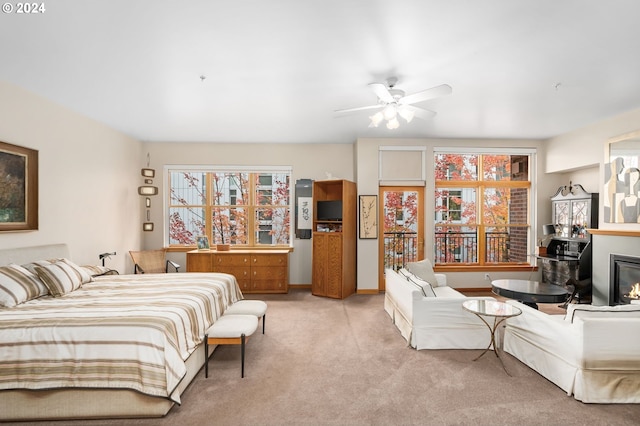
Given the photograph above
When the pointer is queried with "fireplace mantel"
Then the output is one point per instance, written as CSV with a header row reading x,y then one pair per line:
x,y
613,232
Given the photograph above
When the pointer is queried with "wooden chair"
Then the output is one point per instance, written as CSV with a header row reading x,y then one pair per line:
x,y
151,262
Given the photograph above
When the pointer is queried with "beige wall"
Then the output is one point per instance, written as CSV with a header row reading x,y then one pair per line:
x,y
580,156
88,178
309,161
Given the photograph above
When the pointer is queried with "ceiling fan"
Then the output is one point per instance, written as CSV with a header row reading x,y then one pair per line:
x,y
394,102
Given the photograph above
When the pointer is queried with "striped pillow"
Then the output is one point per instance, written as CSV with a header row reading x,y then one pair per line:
x,y
60,278
18,285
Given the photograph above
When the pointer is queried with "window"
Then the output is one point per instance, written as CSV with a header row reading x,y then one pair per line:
x,y
482,208
248,208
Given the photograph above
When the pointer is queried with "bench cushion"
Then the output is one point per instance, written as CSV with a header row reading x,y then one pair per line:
x,y
232,326
247,307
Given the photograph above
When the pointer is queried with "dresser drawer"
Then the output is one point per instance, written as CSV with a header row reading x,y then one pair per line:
x,y
232,260
265,259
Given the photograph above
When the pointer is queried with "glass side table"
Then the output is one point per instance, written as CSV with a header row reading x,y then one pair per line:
x,y
499,311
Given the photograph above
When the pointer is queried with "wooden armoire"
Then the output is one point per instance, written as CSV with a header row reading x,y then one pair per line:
x,y
334,239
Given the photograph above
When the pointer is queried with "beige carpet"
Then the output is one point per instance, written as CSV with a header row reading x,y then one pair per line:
x,y
342,362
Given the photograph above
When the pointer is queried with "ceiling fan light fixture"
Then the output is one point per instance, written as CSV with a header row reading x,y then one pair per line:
x,y
393,124
390,112
376,119
407,114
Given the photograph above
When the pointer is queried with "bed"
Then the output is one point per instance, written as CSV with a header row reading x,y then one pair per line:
x,y
116,346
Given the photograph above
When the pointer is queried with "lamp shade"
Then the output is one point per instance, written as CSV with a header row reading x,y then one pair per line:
x,y
548,229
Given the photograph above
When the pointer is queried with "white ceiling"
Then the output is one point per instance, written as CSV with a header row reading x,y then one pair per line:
x,y
277,69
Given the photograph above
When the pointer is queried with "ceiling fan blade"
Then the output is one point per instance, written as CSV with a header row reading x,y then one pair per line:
x,y
434,92
382,92
346,111
422,113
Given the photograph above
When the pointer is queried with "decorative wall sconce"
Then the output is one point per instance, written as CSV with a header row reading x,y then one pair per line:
x,y
148,190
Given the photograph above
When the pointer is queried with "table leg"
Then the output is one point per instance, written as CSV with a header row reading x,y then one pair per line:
x,y
493,329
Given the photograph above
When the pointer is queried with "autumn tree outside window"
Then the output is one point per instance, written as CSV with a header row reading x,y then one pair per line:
x,y
483,207
247,207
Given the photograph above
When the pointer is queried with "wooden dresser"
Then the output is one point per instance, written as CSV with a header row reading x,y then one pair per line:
x,y
257,271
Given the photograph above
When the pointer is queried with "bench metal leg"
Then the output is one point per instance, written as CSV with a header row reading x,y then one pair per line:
x,y
242,340
206,356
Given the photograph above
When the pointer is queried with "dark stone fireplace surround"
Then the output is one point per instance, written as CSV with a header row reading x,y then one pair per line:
x,y
605,243
624,272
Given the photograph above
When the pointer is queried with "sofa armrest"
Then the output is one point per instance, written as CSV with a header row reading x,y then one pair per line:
x,y
610,343
442,280
547,333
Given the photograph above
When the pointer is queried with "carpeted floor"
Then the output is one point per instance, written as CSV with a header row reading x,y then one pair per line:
x,y
342,362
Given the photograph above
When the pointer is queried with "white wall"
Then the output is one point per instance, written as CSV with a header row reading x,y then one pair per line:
x,y
367,178
88,179
309,161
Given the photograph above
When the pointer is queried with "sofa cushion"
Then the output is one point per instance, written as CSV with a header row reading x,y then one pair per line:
x,y
427,289
424,271
590,311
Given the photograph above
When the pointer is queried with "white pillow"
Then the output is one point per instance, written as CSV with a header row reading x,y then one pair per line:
x,y
60,278
427,289
18,285
424,271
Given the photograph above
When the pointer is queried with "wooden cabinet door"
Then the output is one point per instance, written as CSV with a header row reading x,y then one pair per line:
x,y
334,274
199,262
319,272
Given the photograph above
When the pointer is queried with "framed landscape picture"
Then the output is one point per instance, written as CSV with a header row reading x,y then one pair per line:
x,y
18,188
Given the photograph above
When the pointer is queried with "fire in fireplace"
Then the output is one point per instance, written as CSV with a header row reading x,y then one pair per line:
x,y
624,279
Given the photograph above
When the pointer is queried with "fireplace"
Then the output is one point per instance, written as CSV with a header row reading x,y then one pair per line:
x,y
624,281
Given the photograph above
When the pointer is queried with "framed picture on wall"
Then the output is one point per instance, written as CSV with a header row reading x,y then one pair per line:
x,y
368,217
18,188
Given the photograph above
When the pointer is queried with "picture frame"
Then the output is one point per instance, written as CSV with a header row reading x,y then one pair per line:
x,y
621,187
202,241
18,188
147,226
368,215
148,190
150,173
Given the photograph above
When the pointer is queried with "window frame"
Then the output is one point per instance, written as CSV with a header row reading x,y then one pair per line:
x,y
208,170
480,185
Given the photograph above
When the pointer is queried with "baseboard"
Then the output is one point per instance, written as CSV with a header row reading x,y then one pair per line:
x,y
300,286
473,289
368,291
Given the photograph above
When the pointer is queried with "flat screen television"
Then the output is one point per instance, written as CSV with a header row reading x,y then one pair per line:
x,y
329,210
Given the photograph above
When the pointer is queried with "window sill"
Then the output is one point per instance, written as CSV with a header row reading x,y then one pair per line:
x,y
484,268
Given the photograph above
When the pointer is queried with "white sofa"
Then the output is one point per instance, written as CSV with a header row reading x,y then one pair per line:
x,y
592,352
434,321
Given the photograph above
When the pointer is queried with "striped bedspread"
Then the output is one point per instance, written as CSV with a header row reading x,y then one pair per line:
x,y
119,331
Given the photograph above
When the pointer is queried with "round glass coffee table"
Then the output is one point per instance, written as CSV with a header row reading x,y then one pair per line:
x,y
499,311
